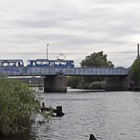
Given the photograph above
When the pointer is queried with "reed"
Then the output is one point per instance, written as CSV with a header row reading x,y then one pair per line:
x,y
17,106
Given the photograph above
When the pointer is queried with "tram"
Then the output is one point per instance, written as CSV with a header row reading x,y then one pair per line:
x,y
59,63
51,63
12,62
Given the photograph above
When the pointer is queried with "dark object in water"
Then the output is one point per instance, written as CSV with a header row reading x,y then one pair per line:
x,y
92,137
58,110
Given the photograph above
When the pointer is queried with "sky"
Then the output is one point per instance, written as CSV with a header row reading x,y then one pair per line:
x,y
74,28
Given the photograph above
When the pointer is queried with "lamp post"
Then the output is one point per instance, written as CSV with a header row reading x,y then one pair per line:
x,y
47,51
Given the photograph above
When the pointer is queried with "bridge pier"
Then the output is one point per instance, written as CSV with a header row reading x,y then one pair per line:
x,y
117,83
55,83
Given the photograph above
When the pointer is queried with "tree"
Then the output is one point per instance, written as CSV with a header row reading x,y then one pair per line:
x,y
72,81
96,59
135,71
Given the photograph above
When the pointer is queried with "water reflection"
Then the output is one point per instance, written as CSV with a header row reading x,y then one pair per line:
x,y
108,115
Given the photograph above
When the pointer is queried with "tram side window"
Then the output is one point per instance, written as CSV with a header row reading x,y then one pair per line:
x,y
31,63
5,64
52,63
56,63
72,63
12,64
42,63
20,63
63,63
60,63
34,64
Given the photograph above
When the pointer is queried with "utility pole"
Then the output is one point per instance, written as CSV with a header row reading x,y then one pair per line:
x,y
47,51
138,54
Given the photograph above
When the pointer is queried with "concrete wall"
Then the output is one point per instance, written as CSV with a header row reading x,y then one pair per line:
x,y
55,83
117,83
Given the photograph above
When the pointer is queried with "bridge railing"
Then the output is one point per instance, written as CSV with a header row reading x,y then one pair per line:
x,y
97,71
41,71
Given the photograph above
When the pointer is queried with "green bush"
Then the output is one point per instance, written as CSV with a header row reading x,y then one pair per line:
x,y
73,82
17,106
135,71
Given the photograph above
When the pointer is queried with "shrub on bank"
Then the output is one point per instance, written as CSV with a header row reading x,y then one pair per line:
x,y
17,106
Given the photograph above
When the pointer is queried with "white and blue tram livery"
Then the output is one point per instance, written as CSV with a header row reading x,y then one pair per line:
x,y
51,63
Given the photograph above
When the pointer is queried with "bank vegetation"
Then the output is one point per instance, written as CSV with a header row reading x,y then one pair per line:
x,y
17,106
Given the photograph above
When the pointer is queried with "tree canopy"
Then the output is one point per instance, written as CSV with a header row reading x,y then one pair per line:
x,y
135,71
96,59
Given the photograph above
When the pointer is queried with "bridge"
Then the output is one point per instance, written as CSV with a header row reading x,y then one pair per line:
x,y
56,78
43,71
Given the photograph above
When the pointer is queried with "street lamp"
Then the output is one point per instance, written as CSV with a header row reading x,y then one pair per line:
x,y
47,51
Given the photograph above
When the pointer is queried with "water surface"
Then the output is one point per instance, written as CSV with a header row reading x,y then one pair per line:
x,y
108,115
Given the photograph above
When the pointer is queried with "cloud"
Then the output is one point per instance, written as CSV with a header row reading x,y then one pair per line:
x,y
71,27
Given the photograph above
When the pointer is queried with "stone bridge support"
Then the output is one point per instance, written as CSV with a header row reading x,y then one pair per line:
x,y
117,83
55,83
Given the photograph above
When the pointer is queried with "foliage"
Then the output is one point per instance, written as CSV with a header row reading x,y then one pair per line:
x,y
17,106
96,59
135,71
72,81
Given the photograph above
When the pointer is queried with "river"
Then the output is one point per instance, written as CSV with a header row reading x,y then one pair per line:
x,y
107,115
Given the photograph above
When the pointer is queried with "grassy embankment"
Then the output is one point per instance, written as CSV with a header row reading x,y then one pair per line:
x,y
17,106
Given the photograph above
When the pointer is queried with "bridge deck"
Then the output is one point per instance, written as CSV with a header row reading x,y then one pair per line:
x,y
42,71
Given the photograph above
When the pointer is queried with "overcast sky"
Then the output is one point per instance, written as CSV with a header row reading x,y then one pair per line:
x,y
75,28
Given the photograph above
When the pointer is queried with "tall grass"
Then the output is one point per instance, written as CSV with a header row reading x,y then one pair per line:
x,y
17,106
